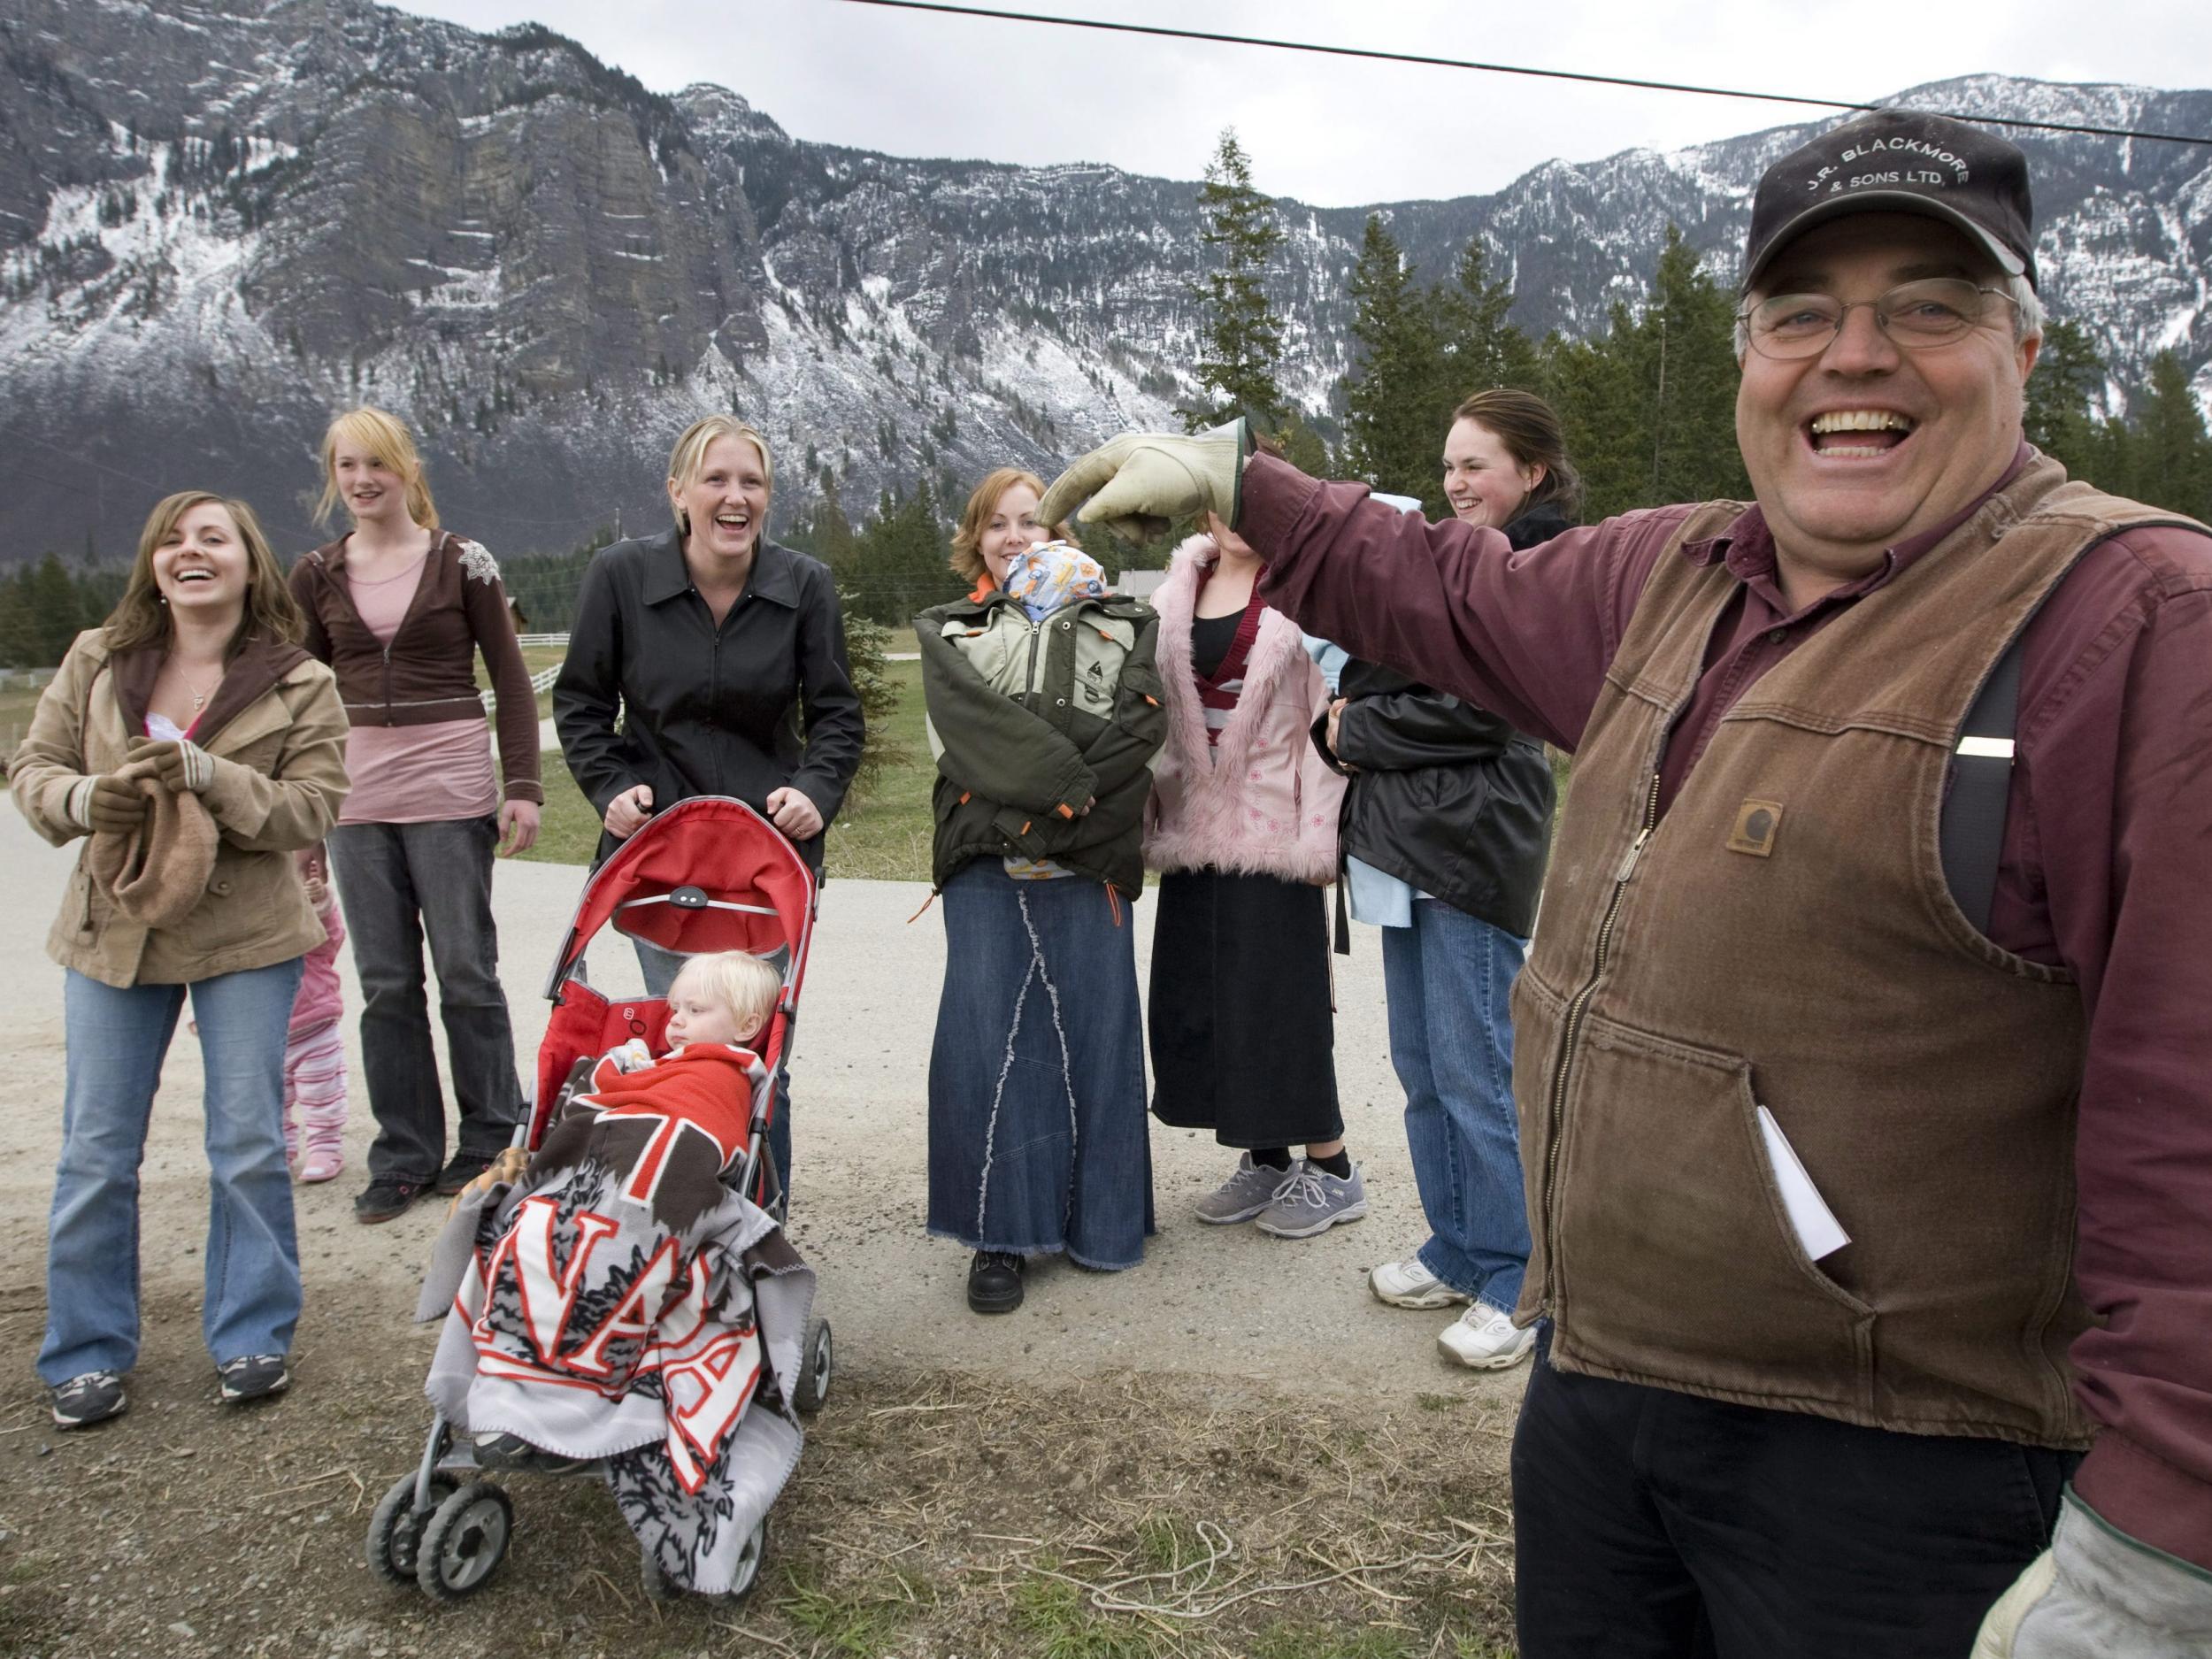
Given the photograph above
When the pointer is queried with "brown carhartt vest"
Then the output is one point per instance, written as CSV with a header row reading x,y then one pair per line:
x,y
1785,936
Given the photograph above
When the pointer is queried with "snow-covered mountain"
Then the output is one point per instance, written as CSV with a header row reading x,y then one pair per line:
x,y
220,221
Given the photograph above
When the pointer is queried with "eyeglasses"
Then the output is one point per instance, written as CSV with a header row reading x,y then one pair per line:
x,y
1916,315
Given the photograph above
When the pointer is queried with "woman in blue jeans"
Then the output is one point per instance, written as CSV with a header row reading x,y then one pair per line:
x,y
195,746
1446,829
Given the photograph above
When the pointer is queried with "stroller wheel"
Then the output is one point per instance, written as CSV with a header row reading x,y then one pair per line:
x,y
745,1575
465,1541
815,1356
395,1528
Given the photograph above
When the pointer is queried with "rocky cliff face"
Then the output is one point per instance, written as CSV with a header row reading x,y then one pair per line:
x,y
218,222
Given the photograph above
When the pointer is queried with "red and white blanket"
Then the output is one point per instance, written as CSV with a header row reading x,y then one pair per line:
x,y
620,1303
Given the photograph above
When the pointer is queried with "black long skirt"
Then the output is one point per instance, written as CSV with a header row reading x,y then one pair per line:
x,y
1243,1038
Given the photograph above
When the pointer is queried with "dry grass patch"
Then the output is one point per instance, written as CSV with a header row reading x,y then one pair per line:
x,y
933,1516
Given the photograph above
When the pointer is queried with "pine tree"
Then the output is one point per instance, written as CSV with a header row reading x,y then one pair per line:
x,y
1693,419
867,647
1594,386
2060,417
1482,350
2172,452
1392,433
19,633
833,542
1240,341
1649,406
1303,448
56,614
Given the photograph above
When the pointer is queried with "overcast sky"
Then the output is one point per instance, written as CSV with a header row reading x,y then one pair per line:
x,y
1329,131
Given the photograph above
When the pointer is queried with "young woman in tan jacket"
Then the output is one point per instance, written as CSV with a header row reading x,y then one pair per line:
x,y
197,747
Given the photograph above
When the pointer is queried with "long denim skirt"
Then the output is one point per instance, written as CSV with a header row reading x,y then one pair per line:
x,y
1037,1133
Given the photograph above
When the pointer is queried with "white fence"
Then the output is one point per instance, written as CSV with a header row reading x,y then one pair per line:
x,y
541,681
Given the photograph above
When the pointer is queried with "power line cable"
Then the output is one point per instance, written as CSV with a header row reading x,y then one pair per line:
x,y
1426,60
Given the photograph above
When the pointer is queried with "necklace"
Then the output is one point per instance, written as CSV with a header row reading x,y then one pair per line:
x,y
199,697
408,569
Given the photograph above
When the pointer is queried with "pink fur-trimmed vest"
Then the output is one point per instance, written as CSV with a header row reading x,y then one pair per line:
x,y
1261,802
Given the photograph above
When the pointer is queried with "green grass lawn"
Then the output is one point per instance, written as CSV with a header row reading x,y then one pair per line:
x,y
883,834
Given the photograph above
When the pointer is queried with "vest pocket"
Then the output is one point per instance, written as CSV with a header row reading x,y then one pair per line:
x,y
1674,1259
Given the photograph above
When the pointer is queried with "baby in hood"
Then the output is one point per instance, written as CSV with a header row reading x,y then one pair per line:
x,y
1051,575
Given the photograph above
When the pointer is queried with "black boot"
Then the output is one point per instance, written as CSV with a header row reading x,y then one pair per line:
x,y
994,1281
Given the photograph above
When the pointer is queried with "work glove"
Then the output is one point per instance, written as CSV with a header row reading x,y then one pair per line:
x,y
111,805
1142,480
180,766
2097,1593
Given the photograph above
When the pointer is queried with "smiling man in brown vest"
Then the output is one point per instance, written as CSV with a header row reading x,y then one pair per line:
x,y
1857,1221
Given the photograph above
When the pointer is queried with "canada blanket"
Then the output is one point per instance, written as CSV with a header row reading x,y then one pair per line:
x,y
620,1304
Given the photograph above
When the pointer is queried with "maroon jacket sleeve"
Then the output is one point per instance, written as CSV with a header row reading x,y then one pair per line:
x,y
2120,786
1526,636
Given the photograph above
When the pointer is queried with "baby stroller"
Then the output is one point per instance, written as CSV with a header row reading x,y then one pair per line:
x,y
707,874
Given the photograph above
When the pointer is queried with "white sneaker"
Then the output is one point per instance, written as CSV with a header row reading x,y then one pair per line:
x,y
1483,1338
1408,1284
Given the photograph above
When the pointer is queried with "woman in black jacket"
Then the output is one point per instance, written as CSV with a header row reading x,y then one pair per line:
x,y
706,644
1445,827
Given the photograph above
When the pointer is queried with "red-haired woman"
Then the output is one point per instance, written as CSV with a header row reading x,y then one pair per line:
x,y
1044,722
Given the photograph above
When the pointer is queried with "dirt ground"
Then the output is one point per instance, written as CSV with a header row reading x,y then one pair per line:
x,y
1230,1449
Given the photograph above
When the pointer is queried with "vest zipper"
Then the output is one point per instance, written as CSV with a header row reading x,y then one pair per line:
x,y
1572,1028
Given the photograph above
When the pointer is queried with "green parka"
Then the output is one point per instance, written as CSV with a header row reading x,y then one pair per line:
x,y
1031,723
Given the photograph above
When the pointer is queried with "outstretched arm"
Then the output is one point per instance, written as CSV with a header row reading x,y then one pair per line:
x,y
1526,636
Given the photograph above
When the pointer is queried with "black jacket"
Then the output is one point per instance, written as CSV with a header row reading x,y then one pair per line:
x,y
708,710
1443,794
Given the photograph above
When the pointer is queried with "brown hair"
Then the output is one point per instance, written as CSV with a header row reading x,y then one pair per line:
x,y
688,458
140,618
387,442
967,540
1528,428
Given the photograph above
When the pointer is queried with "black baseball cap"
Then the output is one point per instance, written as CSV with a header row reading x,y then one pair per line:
x,y
1896,161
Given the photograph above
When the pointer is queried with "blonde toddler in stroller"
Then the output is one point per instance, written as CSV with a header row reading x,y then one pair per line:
x,y
615,1302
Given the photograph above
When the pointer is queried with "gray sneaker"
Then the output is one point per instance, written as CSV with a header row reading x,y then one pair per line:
x,y
1244,1194
1313,1200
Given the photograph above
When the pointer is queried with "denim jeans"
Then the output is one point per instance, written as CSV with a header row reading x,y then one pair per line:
x,y
660,968
1451,1043
117,1040
400,883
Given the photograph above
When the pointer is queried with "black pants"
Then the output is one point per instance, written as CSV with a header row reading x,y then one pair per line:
x,y
401,883
1648,1523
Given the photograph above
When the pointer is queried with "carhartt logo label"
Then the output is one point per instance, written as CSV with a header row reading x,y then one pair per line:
x,y
1756,822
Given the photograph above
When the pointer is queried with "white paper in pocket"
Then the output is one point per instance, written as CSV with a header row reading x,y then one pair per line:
x,y
1814,1222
